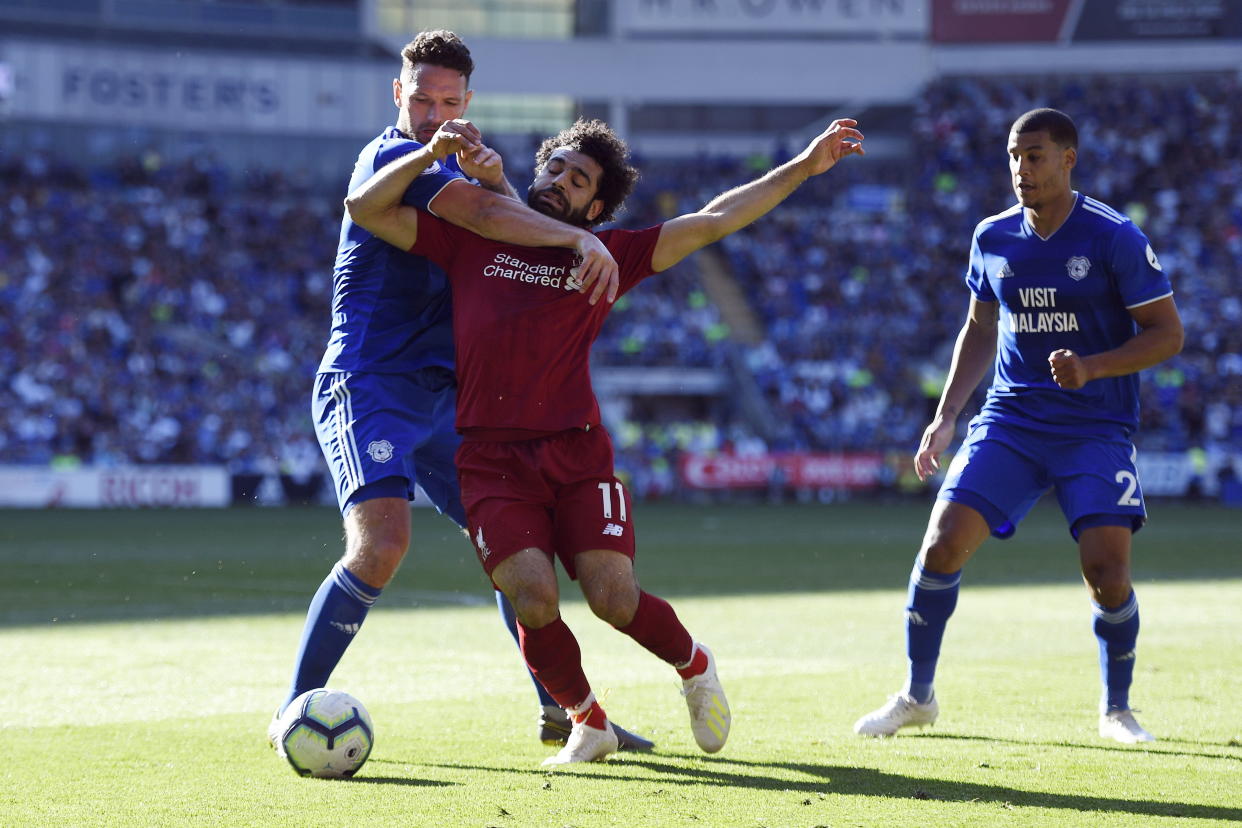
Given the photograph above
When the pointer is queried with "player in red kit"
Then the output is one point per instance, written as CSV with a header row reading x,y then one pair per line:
x,y
535,465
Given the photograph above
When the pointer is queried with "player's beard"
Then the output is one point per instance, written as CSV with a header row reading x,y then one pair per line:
x,y
556,208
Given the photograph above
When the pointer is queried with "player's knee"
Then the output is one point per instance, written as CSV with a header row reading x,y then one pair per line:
x,y
536,605
375,557
613,599
942,553
615,607
1109,582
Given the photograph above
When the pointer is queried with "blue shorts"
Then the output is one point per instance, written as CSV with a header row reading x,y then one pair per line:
x,y
1002,470
394,428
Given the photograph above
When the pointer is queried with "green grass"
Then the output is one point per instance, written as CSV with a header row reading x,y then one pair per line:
x,y
147,650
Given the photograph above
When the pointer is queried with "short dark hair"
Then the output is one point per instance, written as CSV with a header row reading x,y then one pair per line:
x,y
1059,126
438,48
596,140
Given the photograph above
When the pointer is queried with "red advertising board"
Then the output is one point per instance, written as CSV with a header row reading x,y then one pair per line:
x,y
997,21
796,470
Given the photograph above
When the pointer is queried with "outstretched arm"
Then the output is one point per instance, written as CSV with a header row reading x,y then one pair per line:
x,y
1160,337
972,354
740,206
376,206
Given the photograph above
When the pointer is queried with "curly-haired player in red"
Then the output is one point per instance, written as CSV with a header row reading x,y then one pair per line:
x,y
535,465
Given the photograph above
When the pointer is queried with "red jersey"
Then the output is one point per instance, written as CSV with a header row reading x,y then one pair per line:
x,y
523,337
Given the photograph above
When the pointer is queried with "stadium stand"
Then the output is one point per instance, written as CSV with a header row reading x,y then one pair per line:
x,y
158,311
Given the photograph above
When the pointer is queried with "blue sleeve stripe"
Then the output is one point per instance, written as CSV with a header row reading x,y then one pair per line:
x,y
1149,301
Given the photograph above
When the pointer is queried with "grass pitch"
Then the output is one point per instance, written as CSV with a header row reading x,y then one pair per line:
x,y
148,649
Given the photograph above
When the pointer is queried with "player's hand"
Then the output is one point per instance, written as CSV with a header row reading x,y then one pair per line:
x,y
597,268
483,164
936,438
1068,369
458,135
830,146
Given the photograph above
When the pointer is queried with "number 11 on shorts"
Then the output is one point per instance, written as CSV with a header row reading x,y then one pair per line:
x,y
605,491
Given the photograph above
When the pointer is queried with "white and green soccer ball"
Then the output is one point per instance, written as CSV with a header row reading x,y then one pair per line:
x,y
325,733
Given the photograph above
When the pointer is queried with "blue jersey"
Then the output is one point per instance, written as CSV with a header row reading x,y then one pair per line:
x,y
391,311
1072,290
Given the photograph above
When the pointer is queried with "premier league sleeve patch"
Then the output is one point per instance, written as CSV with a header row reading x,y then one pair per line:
x,y
1152,260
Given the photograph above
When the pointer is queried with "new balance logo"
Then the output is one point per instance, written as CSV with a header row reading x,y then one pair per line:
x,y
348,629
614,530
915,619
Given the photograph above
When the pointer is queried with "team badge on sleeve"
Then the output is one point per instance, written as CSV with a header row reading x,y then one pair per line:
x,y
1152,260
1078,267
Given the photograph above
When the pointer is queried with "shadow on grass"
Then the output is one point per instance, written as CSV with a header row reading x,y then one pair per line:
x,y
400,780
846,781
1160,747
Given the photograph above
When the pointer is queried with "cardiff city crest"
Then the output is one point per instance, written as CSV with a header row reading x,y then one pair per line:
x,y
380,451
1078,267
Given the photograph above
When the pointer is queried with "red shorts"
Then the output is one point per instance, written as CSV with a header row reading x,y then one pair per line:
x,y
557,494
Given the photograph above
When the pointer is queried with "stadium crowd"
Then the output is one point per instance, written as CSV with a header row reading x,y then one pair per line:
x,y
160,312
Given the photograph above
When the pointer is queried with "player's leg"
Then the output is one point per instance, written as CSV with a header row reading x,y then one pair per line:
x,y
611,590
377,533
437,475
954,532
1099,493
595,539
553,654
372,487
988,488
507,505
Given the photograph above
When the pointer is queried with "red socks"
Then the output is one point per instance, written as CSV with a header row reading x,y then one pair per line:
x,y
656,627
553,655
593,716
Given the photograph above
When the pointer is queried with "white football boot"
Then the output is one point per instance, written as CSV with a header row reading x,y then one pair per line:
x,y
274,734
1120,726
585,744
710,718
901,711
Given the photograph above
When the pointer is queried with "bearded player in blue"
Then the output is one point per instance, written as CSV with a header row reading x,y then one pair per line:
x,y
384,396
1079,303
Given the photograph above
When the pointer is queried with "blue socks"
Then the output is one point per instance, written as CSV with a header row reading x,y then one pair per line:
x,y
931,600
336,614
510,618
1117,631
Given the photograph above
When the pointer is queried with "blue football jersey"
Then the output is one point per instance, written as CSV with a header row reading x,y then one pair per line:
x,y
391,311
1072,290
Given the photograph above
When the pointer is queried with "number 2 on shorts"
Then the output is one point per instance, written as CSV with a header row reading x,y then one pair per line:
x,y
1127,497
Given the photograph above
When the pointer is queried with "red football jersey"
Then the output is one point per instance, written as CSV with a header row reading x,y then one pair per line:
x,y
523,337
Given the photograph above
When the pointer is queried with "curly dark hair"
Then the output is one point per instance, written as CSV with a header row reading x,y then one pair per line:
x,y
597,140
438,48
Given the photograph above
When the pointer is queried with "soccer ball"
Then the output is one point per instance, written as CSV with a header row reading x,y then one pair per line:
x,y
325,733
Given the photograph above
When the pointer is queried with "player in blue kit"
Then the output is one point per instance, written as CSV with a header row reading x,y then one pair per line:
x,y
1078,302
384,395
